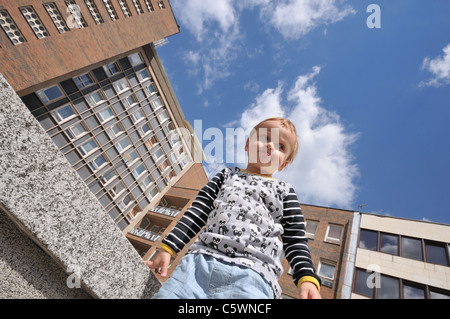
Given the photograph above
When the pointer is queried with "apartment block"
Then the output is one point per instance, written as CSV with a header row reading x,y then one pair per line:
x,y
401,259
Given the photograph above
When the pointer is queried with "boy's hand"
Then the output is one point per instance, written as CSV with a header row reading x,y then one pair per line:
x,y
309,291
160,263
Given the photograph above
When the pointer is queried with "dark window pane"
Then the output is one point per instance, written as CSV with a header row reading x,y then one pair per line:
x,y
412,248
439,295
389,244
389,288
31,101
364,284
368,239
413,292
436,253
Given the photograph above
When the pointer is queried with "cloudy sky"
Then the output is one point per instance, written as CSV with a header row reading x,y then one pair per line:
x,y
367,84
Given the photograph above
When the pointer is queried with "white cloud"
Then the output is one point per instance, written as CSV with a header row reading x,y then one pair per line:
x,y
324,172
439,67
198,16
215,27
295,18
219,39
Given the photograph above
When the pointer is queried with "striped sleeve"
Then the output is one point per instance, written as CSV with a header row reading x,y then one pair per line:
x,y
195,216
295,243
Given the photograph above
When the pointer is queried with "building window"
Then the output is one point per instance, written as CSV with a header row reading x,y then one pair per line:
x,y
389,288
161,5
311,228
97,163
138,7
78,20
50,94
56,17
368,239
108,177
130,157
163,117
111,11
364,284
96,98
326,270
10,28
105,114
35,23
380,286
115,130
145,129
143,75
76,131
64,113
131,100
121,85
436,253
112,68
137,116
157,154
151,142
156,103
135,59
149,5
412,248
94,11
138,171
411,291
170,176
84,80
334,234
146,182
125,202
389,244
122,145
164,165
123,5
87,147
439,294
117,189
151,89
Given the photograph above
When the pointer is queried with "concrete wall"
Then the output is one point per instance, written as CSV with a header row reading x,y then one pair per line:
x,y
56,239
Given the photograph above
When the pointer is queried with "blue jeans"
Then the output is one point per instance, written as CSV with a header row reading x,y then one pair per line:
x,y
200,276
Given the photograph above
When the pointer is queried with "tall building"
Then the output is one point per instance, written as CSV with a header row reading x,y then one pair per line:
x,y
89,73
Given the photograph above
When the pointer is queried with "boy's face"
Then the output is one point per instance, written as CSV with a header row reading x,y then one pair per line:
x,y
269,147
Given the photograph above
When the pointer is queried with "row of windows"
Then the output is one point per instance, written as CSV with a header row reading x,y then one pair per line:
x,y
379,286
333,234
125,152
408,247
74,20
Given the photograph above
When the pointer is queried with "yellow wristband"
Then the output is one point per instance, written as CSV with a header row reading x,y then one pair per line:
x,y
168,249
309,279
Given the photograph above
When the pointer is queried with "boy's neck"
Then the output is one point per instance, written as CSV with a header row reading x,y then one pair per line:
x,y
257,171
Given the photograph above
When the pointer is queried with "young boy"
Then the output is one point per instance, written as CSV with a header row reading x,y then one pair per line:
x,y
248,218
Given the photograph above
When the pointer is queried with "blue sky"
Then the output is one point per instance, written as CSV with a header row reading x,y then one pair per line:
x,y
371,105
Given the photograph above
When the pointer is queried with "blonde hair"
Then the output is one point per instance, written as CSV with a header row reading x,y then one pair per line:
x,y
291,127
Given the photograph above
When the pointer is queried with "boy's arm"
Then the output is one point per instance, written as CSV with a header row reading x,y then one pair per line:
x,y
295,243
195,217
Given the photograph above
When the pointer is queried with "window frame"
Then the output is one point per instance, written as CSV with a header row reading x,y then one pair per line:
x,y
333,240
